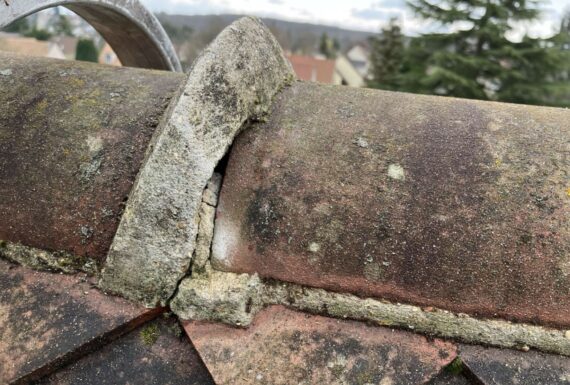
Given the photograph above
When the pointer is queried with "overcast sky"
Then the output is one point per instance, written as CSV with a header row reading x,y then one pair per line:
x,y
365,15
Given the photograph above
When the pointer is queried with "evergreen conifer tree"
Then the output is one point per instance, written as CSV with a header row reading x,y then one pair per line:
x,y
328,47
386,58
86,51
476,57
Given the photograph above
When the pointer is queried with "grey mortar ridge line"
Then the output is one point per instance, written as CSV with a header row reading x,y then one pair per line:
x,y
234,81
44,260
235,299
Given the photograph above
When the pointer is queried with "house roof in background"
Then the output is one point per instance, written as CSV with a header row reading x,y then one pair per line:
x,y
28,46
313,69
68,45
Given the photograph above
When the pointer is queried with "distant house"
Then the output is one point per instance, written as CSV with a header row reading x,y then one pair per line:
x,y
327,71
15,43
108,56
67,44
348,73
359,56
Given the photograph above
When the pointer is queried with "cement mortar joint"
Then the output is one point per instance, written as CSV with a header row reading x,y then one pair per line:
x,y
233,82
236,298
43,260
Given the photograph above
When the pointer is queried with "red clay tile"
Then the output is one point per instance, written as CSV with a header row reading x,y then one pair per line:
x,y
157,353
433,201
47,319
494,366
312,69
72,142
287,347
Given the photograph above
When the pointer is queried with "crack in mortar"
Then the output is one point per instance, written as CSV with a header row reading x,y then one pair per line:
x,y
205,232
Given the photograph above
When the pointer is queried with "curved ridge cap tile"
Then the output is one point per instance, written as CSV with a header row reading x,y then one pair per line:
x,y
233,81
457,204
146,44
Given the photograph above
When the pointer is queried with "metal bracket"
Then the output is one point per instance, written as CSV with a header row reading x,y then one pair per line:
x,y
133,32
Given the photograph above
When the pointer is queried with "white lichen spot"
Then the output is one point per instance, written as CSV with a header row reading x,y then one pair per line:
x,y
95,144
567,334
314,247
360,142
373,271
493,126
395,171
6,72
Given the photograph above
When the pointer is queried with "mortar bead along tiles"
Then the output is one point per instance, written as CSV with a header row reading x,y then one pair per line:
x,y
232,82
235,299
432,201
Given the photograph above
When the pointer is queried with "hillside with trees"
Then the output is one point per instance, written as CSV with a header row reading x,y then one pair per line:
x,y
192,33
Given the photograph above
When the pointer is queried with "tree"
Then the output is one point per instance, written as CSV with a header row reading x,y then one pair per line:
x,y
19,26
386,57
328,47
86,51
39,34
178,35
559,88
476,59
62,26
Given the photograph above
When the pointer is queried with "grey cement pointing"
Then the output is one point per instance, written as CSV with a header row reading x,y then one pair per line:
x,y
235,299
232,82
43,260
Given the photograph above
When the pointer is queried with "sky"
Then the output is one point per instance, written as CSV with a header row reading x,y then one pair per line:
x,y
365,15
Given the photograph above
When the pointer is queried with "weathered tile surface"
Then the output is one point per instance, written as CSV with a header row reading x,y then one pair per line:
x,y
47,319
416,199
287,347
511,367
157,353
72,139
